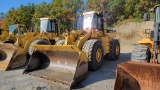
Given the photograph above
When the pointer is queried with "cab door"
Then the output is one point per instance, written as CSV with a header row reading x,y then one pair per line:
x,y
21,33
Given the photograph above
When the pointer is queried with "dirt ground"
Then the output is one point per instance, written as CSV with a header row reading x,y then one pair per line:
x,y
102,79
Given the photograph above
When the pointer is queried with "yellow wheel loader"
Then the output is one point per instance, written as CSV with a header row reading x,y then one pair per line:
x,y
12,48
3,35
16,54
14,30
69,60
143,71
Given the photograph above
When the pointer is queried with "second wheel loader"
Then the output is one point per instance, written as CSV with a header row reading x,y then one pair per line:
x,y
17,54
143,71
68,61
10,35
14,31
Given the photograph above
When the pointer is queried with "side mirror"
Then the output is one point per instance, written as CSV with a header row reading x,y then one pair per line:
x,y
146,17
152,34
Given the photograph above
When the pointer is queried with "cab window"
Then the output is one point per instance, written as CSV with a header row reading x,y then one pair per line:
x,y
22,30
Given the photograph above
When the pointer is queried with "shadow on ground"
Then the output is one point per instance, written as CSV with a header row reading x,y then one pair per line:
x,y
19,68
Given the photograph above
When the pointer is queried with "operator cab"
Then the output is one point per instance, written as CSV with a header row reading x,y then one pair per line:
x,y
48,25
14,29
92,21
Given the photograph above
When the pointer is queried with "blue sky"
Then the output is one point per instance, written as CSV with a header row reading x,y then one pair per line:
x,y
6,5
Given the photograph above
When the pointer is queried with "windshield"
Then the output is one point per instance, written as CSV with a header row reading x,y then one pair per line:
x,y
46,26
12,28
22,30
87,21
157,19
43,25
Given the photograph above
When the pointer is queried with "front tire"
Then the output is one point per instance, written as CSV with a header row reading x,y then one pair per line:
x,y
141,53
95,53
39,41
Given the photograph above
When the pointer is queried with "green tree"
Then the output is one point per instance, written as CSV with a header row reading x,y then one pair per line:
x,y
93,5
25,14
121,9
66,11
11,17
21,15
40,11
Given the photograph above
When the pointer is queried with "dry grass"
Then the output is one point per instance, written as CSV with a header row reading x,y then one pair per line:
x,y
129,32
128,35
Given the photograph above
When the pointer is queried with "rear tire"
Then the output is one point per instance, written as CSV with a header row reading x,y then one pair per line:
x,y
39,41
95,53
141,53
114,50
60,42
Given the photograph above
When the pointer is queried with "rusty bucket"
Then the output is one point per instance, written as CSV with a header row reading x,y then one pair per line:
x,y
137,76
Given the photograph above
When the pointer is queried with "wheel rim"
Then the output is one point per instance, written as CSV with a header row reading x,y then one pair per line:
x,y
98,55
117,50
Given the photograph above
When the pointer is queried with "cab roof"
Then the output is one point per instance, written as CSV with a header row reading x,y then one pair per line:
x,y
47,19
158,5
91,12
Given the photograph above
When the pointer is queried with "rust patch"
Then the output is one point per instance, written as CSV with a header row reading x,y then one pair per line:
x,y
137,76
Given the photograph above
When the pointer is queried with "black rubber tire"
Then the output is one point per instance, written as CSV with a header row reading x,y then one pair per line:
x,y
112,54
90,47
9,41
60,42
141,53
39,41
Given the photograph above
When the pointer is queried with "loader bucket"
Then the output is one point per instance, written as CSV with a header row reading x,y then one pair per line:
x,y
137,76
8,57
64,64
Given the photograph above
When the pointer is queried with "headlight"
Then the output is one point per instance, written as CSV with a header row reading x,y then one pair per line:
x,y
147,31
